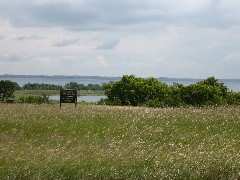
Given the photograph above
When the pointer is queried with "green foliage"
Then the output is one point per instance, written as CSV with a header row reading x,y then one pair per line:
x,y
205,93
233,98
71,85
7,89
92,87
36,86
35,99
134,91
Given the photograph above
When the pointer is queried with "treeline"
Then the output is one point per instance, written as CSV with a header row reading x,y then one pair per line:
x,y
42,86
134,91
92,87
71,85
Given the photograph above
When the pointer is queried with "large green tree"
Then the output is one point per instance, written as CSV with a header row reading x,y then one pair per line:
x,y
134,91
7,89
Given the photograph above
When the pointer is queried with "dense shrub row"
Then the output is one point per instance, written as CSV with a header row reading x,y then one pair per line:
x,y
34,99
91,87
134,91
42,86
71,85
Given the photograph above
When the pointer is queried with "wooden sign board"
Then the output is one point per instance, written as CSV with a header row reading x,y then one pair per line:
x,y
68,96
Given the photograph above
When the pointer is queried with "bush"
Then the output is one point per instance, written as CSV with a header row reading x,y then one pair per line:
x,y
35,99
134,91
7,89
233,98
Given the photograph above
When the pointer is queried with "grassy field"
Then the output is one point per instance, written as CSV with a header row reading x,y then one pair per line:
x,y
102,142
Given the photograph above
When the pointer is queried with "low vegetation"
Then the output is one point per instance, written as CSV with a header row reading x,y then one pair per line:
x,y
71,85
134,91
25,93
118,142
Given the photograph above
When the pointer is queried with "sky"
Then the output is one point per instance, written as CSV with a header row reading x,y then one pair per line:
x,y
146,38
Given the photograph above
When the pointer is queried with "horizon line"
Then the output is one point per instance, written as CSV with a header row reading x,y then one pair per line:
x,y
102,76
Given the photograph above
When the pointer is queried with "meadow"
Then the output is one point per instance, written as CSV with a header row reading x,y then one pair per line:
x,y
25,93
113,142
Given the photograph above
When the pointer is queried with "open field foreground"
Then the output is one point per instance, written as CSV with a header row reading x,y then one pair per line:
x,y
102,142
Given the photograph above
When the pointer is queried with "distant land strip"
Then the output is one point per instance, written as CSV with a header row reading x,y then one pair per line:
x,y
112,78
59,76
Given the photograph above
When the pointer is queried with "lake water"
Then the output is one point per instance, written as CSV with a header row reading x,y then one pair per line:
x,y
56,81
233,85
81,98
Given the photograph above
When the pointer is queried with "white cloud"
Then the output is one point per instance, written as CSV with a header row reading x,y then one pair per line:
x,y
182,7
101,61
44,60
109,44
12,57
148,38
233,58
64,42
106,15
28,37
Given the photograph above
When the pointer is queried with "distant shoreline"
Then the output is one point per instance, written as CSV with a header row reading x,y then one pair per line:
x,y
59,77
111,78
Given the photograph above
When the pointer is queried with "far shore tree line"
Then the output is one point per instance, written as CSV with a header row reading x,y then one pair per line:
x,y
135,91
71,85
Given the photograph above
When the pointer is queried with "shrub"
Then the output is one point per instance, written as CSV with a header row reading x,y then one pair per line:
x,y
35,99
134,91
7,89
233,98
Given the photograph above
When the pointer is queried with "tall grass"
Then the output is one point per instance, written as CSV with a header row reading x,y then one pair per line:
x,y
102,142
24,93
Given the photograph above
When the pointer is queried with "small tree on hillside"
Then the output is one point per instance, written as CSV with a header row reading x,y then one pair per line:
x,y
7,89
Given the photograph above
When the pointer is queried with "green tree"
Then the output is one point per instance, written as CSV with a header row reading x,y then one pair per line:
x,y
134,91
7,89
71,85
211,81
206,92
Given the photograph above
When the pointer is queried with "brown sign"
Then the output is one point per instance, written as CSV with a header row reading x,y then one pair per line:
x,y
68,96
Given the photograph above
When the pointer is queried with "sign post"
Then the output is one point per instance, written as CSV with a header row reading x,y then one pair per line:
x,y
68,96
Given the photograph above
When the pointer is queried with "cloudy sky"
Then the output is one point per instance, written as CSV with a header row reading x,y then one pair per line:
x,y
158,38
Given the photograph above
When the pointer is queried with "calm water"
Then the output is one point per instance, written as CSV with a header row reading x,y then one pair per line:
x,y
232,85
81,98
56,81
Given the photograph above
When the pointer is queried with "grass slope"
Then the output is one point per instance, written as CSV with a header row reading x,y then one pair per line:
x,y
54,92
102,142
